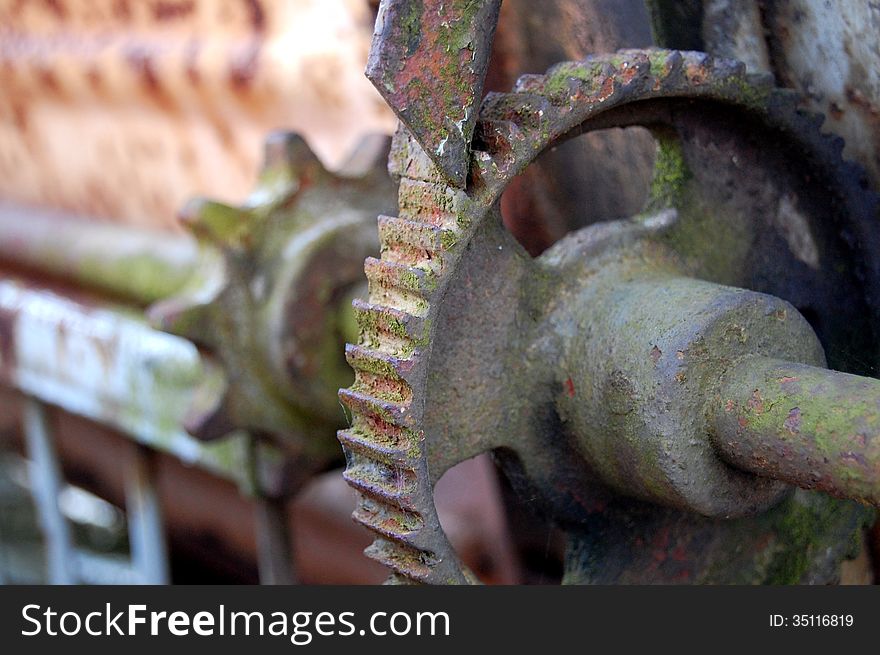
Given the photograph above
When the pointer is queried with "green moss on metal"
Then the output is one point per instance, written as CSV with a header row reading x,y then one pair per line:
x,y
140,277
556,82
411,25
671,174
410,280
377,367
397,327
806,530
823,417
747,93
796,533
448,239
658,59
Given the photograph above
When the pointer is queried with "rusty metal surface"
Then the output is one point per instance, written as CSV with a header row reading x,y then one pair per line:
x,y
429,60
436,384
604,175
124,110
827,51
559,383
277,308
140,265
805,425
107,364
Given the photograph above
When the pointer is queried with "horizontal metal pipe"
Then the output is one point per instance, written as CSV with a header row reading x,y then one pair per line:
x,y
811,427
134,263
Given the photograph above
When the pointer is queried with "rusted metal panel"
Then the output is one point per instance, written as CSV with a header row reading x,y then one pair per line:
x,y
825,50
124,110
429,60
829,52
109,366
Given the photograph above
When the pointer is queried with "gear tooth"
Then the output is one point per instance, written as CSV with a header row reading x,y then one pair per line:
x,y
632,59
288,163
761,80
388,411
415,234
391,367
674,61
216,223
391,483
429,202
386,276
288,151
213,424
410,566
606,69
389,452
729,68
525,84
666,63
409,160
369,155
386,520
385,323
183,316
703,59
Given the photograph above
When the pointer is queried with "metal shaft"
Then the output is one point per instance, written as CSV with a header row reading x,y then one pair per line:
x,y
146,530
134,263
811,427
274,548
47,483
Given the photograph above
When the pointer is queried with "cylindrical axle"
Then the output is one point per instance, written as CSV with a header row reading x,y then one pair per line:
x,y
134,263
811,427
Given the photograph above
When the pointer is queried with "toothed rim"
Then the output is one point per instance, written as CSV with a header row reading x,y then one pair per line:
x,y
385,447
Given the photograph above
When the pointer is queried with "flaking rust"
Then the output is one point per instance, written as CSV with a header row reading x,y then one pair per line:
x,y
429,61
486,385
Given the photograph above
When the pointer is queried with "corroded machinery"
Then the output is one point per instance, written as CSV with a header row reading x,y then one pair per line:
x,y
666,338
216,354
656,385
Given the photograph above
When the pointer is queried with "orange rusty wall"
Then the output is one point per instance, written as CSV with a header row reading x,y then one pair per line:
x,y
123,109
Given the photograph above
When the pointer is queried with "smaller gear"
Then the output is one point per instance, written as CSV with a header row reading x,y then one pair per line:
x,y
272,295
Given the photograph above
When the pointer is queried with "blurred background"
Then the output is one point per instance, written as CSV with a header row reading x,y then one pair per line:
x,y
115,114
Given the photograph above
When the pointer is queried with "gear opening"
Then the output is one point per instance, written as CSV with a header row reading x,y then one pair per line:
x,y
601,176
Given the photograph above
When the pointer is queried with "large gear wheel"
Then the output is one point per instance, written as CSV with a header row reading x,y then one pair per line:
x,y
460,351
